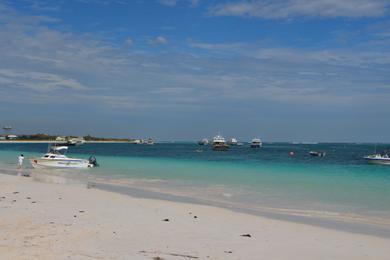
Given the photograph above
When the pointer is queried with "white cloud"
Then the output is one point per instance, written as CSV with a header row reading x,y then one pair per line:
x,y
174,2
159,40
168,2
284,9
194,2
129,41
37,81
336,57
42,65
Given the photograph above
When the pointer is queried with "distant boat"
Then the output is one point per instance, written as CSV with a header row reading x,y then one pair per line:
x,y
56,158
317,154
136,141
256,143
7,128
233,141
75,141
382,158
150,141
219,143
204,141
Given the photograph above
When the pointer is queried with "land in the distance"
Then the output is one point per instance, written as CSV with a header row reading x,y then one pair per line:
x,y
52,138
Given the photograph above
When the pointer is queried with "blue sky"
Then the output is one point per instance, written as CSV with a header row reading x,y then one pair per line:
x,y
284,70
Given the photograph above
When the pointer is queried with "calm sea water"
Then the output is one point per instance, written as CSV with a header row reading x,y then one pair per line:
x,y
268,177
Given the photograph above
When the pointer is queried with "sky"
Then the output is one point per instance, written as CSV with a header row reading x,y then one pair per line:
x,y
281,70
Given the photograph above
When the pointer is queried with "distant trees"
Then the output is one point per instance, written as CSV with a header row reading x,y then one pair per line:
x,y
47,137
37,137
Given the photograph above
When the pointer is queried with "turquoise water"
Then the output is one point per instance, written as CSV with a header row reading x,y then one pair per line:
x,y
266,177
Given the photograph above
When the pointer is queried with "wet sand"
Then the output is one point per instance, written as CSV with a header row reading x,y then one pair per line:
x,y
42,220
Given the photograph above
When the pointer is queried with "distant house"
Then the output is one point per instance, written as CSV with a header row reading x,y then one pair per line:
x,y
2,137
12,137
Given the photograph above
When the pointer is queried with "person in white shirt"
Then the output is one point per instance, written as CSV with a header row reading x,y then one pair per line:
x,y
20,161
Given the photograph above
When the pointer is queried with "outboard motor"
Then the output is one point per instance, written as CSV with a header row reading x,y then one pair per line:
x,y
92,160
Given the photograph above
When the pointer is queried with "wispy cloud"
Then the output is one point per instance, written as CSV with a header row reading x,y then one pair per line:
x,y
42,65
174,2
168,2
37,81
129,41
285,9
159,40
103,2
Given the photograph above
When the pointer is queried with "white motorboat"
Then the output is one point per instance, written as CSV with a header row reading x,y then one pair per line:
x,y
137,141
76,141
233,141
150,141
317,154
204,141
378,159
219,143
256,143
56,158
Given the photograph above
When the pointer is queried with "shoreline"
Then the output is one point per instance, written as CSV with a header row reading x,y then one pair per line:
x,y
139,188
53,142
75,220
359,224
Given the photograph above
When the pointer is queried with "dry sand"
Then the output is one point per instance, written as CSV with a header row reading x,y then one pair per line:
x,y
56,221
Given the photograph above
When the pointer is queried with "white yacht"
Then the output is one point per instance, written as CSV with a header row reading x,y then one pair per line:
x,y
383,158
219,143
76,141
204,141
150,141
56,158
137,141
233,141
256,143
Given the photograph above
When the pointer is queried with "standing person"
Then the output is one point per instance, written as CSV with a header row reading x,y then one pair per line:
x,y
20,160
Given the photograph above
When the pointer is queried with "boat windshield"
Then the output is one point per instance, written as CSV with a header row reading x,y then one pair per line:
x,y
58,149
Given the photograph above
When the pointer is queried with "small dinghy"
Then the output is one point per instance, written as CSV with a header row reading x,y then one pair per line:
x,y
317,154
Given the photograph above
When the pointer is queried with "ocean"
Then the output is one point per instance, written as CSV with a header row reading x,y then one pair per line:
x,y
340,185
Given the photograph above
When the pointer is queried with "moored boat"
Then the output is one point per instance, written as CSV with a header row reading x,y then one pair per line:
x,y
56,158
317,154
233,141
219,143
383,159
136,141
204,141
256,143
150,141
76,141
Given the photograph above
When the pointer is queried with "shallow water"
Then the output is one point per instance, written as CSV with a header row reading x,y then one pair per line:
x,y
341,183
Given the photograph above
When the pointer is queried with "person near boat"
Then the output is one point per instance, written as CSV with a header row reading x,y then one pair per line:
x,y
20,161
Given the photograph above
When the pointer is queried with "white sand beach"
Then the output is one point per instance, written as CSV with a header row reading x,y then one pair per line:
x,y
57,221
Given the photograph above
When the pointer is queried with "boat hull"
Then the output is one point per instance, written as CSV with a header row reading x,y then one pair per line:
x,y
58,163
221,147
317,154
383,161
